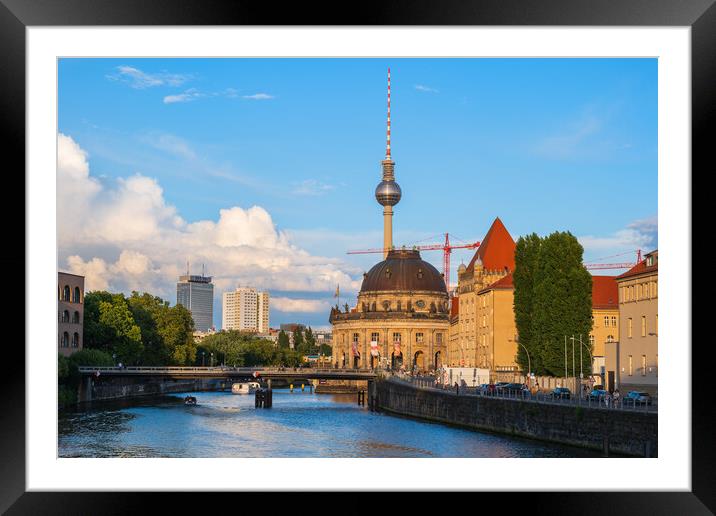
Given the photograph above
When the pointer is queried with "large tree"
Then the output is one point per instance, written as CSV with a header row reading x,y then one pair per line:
x,y
283,341
526,259
553,300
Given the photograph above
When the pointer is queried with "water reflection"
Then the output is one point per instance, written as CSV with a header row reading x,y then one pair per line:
x,y
300,424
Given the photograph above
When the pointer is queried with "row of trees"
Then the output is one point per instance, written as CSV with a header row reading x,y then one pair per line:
x,y
141,329
241,349
303,342
553,299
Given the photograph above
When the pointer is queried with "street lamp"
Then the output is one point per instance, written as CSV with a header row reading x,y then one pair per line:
x,y
211,361
529,362
203,363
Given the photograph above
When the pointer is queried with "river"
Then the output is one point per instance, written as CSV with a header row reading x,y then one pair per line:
x,y
300,424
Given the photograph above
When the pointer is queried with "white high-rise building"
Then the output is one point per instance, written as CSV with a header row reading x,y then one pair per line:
x,y
245,309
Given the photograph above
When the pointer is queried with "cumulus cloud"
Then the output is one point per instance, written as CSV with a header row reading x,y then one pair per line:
x,y
285,304
136,78
123,235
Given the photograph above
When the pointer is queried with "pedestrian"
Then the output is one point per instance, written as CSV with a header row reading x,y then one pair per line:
x,y
607,399
616,398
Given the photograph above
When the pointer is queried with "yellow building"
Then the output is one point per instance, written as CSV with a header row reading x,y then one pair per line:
x,y
605,322
632,363
494,259
496,330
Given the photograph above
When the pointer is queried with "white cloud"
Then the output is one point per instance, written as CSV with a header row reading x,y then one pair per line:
x,y
171,144
426,89
285,304
311,187
259,96
640,234
187,96
138,79
124,236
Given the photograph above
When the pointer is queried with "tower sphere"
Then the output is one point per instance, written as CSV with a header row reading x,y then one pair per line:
x,y
388,193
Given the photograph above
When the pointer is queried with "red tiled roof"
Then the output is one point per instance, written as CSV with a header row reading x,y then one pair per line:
x,y
605,293
504,283
640,268
497,249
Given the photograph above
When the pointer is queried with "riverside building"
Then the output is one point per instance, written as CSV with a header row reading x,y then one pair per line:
x,y
401,318
70,312
632,363
196,294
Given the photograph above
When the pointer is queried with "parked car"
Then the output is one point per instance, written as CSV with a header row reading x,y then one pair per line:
x,y
514,388
637,398
561,393
597,394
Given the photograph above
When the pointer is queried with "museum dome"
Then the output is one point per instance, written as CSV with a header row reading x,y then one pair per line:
x,y
403,270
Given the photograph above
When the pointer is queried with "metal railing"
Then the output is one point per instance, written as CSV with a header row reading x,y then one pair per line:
x,y
602,403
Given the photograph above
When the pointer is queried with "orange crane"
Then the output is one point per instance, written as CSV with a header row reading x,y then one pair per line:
x,y
445,247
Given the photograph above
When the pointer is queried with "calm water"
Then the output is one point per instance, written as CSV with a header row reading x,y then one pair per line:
x,y
300,424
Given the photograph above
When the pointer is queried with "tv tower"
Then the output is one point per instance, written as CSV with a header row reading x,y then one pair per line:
x,y
388,193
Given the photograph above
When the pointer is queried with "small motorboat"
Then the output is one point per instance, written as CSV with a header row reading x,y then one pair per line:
x,y
189,400
245,387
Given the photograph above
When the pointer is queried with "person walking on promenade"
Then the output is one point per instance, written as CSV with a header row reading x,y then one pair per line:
x,y
616,398
607,399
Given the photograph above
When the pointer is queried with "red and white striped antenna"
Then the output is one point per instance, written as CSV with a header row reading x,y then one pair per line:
x,y
387,143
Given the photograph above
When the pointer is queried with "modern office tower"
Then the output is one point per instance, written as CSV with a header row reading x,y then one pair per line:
x,y
245,309
196,294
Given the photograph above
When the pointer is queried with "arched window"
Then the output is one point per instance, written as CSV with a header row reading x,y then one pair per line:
x,y
591,340
65,340
76,340
65,316
76,296
76,317
66,293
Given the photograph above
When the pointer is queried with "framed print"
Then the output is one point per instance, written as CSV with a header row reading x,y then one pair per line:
x,y
413,250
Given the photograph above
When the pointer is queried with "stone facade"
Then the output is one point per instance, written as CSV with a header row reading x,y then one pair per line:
x,y
496,330
402,328
70,312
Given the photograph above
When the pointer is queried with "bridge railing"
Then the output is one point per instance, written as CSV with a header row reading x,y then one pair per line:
x,y
221,369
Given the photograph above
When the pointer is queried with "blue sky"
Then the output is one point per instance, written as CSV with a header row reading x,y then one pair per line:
x,y
545,144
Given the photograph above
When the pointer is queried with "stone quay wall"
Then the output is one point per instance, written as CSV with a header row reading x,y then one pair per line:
x,y
621,432
114,388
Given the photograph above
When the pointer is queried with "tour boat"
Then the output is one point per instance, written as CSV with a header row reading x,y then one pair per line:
x,y
190,400
245,388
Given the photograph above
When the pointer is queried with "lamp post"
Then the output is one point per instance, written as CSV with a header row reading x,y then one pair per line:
x,y
211,360
203,363
529,362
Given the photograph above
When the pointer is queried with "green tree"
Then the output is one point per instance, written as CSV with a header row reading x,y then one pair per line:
x,y
297,338
526,260
310,340
283,340
125,335
562,302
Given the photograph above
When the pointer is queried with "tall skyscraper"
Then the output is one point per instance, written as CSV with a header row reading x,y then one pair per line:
x,y
196,294
245,309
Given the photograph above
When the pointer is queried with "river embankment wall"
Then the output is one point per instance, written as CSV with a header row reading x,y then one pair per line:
x,y
118,387
621,432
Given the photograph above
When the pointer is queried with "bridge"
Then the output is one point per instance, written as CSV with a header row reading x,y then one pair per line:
x,y
223,372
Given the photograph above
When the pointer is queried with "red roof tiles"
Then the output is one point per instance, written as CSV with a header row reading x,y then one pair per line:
x,y
641,268
605,294
497,249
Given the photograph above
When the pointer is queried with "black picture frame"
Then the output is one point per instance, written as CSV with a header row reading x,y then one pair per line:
x,y
16,15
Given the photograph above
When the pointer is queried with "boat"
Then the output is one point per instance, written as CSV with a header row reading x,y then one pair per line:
x,y
245,387
190,400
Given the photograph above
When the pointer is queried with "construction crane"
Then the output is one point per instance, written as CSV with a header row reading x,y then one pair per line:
x,y
445,247
623,265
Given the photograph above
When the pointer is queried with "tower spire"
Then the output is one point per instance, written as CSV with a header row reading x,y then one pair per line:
x,y
388,192
387,141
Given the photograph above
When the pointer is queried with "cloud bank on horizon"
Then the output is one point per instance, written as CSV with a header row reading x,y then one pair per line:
x,y
125,236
